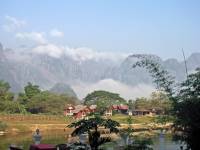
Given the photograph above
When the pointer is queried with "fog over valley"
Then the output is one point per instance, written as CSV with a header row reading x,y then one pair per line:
x,y
83,69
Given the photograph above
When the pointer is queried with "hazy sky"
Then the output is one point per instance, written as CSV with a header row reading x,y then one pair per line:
x,y
137,26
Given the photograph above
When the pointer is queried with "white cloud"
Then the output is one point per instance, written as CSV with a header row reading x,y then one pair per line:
x,y
125,91
44,46
49,49
56,33
13,24
37,37
77,54
82,54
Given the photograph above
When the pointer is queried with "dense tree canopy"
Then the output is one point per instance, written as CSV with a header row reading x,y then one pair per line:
x,y
31,90
157,101
7,103
103,99
187,111
5,94
33,100
49,103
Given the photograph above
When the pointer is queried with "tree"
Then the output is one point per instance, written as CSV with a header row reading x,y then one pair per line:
x,y
23,99
49,103
12,107
91,126
103,100
31,90
141,103
7,103
4,87
187,111
185,100
131,104
5,94
163,80
3,126
160,101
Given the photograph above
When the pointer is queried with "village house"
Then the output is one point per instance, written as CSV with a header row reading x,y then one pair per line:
x,y
141,112
79,111
117,108
149,112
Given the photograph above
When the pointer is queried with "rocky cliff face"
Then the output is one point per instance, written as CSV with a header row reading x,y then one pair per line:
x,y
19,67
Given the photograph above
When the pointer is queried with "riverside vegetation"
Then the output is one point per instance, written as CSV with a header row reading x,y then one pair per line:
x,y
34,106
185,98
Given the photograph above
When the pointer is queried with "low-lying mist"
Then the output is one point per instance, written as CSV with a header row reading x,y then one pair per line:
x,y
125,91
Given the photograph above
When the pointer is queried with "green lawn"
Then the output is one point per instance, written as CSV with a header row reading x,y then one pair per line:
x,y
24,123
135,119
50,119
34,119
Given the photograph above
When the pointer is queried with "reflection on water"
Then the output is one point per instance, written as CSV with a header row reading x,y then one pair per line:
x,y
25,139
164,142
161,141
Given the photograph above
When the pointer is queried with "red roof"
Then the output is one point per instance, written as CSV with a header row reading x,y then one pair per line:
x,y
119,107
122,107
115,107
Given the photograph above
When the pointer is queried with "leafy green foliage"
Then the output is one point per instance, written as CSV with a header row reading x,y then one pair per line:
x,y
23,99
187,111
37,101
5,94
103,99
11,107
163,119
7,103
32,100
4,87
91,127
3,126
157,101
185,101
31,90
49,103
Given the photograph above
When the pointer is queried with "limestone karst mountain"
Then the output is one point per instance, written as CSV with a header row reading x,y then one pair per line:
x,y
21,66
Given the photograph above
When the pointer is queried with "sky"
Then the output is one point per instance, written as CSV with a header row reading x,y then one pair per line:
x,y
127,26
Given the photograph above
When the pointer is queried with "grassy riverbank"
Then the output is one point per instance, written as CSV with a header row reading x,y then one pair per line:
x,y
28,123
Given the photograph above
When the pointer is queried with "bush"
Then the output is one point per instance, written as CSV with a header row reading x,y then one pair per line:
x,y
3,126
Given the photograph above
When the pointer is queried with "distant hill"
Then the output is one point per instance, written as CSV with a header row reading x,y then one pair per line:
x,y
61,88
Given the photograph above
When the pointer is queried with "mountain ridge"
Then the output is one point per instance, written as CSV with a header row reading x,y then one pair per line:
x,y
21,67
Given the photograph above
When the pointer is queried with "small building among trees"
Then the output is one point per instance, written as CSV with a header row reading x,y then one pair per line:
x,y
79,111
116,108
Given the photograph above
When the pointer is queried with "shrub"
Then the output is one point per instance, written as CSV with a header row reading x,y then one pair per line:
x,y
3,126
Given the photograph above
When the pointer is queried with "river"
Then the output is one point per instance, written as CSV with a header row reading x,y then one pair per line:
x,y
160,142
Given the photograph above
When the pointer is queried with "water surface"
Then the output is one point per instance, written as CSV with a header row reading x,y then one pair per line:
x,y
161,142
